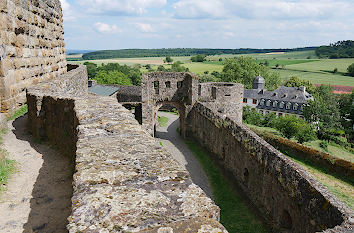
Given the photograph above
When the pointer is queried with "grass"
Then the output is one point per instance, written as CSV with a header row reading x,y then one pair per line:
x,y
339,187
6,166
333,149
20,112
162,120
296,64
236,216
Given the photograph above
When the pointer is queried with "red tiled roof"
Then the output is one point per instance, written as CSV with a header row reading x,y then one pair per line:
x,y
340,89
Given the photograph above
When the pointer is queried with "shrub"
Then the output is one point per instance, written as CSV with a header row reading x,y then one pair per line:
x,y
324,145
252,117
351,70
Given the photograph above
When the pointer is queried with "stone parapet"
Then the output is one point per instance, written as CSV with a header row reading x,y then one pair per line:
x,y
283,192
123,180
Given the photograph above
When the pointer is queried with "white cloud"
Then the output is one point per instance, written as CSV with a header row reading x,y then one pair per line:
x,y
144,27
106,28
120,7
67,11
262,9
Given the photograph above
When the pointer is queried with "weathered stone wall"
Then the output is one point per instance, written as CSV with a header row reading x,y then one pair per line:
x,y
51,116
286,195
123,181
158,88
33,35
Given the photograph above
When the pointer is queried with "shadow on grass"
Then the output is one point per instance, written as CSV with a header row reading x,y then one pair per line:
x,y
237,213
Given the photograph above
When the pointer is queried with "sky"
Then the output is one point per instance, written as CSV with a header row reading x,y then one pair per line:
x,y
122,24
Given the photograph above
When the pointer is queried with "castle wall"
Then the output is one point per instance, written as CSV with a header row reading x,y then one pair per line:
x,y
124,180
291,199
32,33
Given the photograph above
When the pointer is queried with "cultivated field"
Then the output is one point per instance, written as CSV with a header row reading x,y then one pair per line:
x,y
302,64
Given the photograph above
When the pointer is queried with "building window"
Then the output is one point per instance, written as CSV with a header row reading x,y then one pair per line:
x,y
254,101
261,111
262,102
288,105
286,115
268,103
302,107
280,114
295,107
245,100
156,87
267,112
179,84
275,104
168,84
281,105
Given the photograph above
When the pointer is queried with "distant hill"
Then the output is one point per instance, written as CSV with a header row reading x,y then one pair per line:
x,y
341,49
133,53
76,51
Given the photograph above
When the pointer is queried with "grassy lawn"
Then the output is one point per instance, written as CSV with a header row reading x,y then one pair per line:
x,y
333,149
162,120
296,64
6,166
236,216
342,189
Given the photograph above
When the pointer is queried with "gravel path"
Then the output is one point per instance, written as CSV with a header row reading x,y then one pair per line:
x,y
174,143
38,196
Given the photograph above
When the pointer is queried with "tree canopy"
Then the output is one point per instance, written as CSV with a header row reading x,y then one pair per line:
x,y
324,111
245,69
340,49
298,82
350,70
96,72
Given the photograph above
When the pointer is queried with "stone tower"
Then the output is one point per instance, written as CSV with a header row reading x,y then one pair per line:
x,y
258,82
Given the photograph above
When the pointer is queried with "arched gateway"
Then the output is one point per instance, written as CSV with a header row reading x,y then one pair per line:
x,y
182,90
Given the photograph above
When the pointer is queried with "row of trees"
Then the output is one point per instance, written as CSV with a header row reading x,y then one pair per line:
x,y
130,53
340,49
113,73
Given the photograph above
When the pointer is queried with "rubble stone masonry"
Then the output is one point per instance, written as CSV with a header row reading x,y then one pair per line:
x,y
31,31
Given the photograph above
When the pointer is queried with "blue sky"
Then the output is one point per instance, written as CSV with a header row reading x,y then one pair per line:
x,y
119,24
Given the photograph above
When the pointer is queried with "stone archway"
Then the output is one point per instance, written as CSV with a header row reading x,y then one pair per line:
x,y
181,110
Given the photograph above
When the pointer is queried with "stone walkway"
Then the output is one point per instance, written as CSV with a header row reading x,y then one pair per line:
x,y
174,143
38,194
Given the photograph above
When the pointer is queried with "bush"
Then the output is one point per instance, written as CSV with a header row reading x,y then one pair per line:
x,y
252,116
198,58
350,70
324,145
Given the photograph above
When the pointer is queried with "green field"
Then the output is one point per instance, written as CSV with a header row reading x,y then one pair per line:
x,y
290,64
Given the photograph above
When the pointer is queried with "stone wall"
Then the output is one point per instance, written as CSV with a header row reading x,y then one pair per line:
x,y
176,89
290,198
123,180
32,33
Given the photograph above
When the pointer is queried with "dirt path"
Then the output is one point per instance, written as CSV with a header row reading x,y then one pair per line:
x,y
38,196
174,143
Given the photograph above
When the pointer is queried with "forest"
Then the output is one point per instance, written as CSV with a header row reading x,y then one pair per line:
x,y
340,49
134,53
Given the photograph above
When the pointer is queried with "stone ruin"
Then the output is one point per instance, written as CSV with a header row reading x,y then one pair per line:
x,y
123,180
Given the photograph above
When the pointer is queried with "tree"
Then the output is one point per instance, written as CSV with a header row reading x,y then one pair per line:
x,y
350,70
112,77
323,111
245,69
252,117
208,78
335,70
168,59
298,82
91,69
177,67
198,58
